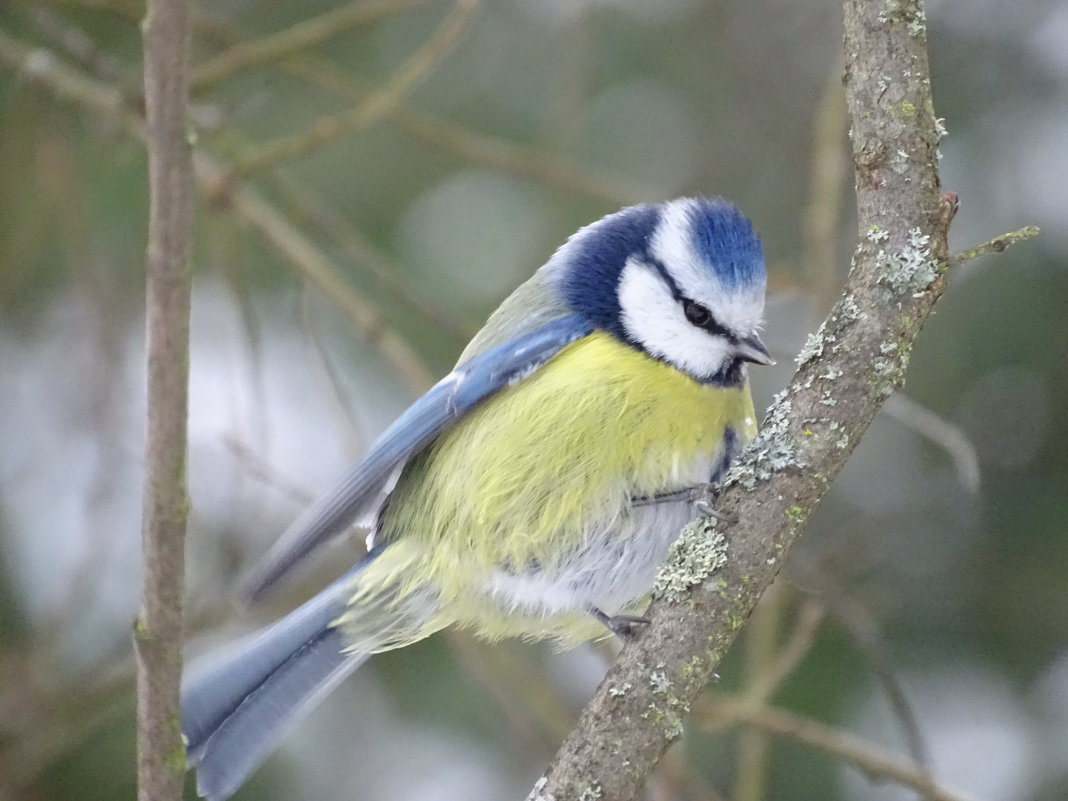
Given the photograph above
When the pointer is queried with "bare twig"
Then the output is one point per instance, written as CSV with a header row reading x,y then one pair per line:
x,y
942,433
996,245
249,206
413,72
256,466
767,682
158,633
314,265
68,83
752,749
823,212
856,619
342,408
305,34
876,762
311,210
480,148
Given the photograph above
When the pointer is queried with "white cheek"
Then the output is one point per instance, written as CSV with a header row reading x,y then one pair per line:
x,y
654,318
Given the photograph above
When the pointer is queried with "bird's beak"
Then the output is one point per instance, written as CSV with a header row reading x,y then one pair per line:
x,y
751,349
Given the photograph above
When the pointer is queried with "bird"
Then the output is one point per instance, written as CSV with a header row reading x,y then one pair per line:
x,y
534,490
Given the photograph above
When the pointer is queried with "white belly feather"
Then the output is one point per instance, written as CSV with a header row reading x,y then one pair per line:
x,y
617,563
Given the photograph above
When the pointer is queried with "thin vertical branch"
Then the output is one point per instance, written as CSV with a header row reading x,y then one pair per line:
x,y
823,212
753,747
158,634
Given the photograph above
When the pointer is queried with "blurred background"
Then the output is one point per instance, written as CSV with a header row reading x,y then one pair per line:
x,y
374,178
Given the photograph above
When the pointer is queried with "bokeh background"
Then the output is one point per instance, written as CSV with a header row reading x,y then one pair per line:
x,y
453,147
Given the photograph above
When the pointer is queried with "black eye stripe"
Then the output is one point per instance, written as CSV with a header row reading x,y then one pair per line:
x,y
700,316
697,314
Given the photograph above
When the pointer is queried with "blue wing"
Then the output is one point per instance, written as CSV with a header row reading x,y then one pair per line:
x,y
447,401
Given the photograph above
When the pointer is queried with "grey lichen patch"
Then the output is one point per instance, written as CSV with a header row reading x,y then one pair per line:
x,y
812,348
940,128
826,338
891,12
917,25
877,234
772,450
538,792
674,730
912,269
668,709
668,717
591,792
659,680
889,368
699,552
908,12
941,132
621,690
846,312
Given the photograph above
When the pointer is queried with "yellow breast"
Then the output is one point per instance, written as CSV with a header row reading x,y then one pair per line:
x,y
527,470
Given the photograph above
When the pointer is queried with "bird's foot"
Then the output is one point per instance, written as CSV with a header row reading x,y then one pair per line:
x,y
623,626
701,496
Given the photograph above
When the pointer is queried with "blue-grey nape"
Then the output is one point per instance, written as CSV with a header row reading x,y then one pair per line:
x,y
596,257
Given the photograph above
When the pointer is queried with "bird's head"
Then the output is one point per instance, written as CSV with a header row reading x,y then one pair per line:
x,y
682,280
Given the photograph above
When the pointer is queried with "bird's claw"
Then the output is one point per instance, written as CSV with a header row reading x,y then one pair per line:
x,y
701,497
623,626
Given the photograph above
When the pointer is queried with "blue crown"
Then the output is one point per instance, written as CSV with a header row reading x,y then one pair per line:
x,y
725,239
719,233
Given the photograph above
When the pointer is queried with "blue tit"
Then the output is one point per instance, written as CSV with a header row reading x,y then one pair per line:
x,y
531,492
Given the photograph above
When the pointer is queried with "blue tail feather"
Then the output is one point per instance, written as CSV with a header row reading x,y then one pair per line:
x,y
235,706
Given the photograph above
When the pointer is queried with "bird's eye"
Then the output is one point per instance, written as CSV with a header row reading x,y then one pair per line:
x,y
696,314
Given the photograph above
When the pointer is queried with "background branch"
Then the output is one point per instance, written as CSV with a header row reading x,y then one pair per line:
x,y
874,761
846,372
250,206
158,634
420,65
301,36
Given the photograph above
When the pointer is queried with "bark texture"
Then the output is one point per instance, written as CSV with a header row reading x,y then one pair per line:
x,y
158,633
845,373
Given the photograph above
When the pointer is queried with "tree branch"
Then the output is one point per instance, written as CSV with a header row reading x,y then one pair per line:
x,y
158,633
480,148
250,206
874,761
996,245
302,36
380,104
846,371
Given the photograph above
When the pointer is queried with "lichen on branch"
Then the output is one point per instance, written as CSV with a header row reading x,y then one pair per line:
x,y
846,370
